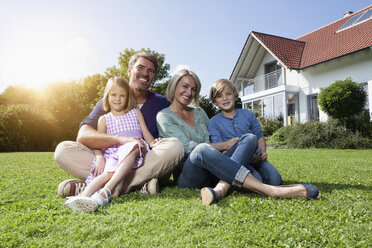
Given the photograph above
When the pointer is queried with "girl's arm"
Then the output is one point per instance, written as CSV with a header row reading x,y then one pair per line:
x,y
145,131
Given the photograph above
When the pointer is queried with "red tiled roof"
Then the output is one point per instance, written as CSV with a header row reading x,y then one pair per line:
x,y
320,45
286,50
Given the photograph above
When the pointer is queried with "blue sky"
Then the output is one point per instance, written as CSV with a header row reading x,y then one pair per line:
x,y
45,41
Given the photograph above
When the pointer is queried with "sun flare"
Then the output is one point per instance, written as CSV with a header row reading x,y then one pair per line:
x,y
35,63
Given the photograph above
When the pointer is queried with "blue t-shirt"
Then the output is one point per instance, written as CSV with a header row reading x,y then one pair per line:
x,y
154,103
222,128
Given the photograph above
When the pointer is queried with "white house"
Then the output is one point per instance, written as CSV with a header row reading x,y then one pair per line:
x,y
281,77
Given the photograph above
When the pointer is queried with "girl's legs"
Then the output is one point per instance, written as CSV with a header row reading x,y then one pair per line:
x,y
97,184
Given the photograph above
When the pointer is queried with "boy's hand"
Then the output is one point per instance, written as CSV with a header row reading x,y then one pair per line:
x,y
231,142
99,166
261,156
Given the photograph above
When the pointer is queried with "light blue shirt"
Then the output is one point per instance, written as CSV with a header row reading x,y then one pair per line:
x,y
171,125
222,128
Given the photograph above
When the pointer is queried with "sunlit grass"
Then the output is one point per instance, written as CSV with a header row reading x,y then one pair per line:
x,y
31,213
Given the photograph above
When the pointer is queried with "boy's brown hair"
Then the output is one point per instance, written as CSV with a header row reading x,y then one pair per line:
x,y
219,86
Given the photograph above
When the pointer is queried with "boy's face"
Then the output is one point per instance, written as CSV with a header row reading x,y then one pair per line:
x,y
225,100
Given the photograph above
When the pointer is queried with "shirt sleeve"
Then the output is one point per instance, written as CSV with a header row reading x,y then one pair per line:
x,y
256,126
214,131
92,118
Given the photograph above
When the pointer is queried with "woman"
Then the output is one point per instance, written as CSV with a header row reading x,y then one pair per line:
x,y
204,164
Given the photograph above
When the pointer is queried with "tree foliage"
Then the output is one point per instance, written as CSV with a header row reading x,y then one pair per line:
x,y
342,99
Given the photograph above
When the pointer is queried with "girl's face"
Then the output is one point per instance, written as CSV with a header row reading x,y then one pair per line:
x,y
225,100
185,90
117,99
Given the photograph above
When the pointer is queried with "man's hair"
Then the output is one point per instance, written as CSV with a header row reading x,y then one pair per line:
x,y
121,82
174,81
145,55
219,86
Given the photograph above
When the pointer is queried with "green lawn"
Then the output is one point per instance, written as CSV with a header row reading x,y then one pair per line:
x,y
31,213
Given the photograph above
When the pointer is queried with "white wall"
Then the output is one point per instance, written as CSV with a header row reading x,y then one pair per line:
x,y
358,66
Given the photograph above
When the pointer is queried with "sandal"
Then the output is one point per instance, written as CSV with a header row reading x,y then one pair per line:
x,y
81,203
99,199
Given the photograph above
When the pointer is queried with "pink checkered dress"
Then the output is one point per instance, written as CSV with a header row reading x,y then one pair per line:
x,y
125,125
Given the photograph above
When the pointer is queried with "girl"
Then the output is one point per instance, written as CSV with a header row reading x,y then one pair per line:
x,y
113,164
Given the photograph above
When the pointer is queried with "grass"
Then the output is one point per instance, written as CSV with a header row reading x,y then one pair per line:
x,y
31,213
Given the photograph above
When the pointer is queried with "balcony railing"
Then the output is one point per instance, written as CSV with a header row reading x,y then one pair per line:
x,y
261,83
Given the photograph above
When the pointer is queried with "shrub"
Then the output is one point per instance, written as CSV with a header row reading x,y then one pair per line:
x,y
269,126
22,128
343,99
318,135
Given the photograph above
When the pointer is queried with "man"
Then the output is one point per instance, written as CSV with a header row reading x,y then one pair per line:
x,y
77,157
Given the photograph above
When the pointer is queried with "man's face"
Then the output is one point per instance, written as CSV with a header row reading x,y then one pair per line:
x,y
141,74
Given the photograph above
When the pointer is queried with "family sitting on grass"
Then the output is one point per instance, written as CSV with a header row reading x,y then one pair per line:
x,y
116,152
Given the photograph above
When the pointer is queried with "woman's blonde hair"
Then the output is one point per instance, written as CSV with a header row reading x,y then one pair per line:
x,y
174,81
121,82
219,86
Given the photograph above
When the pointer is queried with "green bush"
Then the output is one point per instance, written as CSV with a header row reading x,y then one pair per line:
x,y
343,99
318,135
23,128
269,126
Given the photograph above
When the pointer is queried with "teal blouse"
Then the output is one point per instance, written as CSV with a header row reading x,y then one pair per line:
x,y
170,125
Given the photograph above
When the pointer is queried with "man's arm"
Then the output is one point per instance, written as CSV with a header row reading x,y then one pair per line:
x,y
261,143
90,137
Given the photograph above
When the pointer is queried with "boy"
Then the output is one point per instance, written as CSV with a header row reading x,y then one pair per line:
x,y
232,122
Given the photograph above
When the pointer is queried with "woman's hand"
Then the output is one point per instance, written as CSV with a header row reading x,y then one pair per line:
x,y
152,144
99,166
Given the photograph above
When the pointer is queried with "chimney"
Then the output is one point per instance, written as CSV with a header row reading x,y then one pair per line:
x,y
348,13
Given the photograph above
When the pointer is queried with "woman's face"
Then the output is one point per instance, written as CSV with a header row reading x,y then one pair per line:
x,y
185,90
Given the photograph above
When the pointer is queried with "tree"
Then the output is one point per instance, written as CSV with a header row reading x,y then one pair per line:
x,y
208,106
343,99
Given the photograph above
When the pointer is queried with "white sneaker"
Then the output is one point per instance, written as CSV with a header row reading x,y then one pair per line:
x,y
151,187
81,203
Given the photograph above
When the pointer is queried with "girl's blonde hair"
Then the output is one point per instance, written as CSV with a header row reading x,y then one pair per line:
x,y
121,82
219,86
174,81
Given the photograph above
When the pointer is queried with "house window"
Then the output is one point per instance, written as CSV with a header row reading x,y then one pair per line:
x,y
279,107
272,75
257,107
267,106
313,108
292,108
248,105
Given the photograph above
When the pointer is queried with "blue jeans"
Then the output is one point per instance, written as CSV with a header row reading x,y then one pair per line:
x,y
263,171
205,166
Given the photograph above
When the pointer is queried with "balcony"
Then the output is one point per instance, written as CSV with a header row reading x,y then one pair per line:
x,y
261,83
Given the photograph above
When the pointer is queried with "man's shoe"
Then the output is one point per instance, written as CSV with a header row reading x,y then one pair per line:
x,y
71,187
151,187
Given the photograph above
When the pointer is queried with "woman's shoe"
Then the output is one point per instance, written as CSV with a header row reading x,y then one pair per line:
x,y
207,195
99,199
312,192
